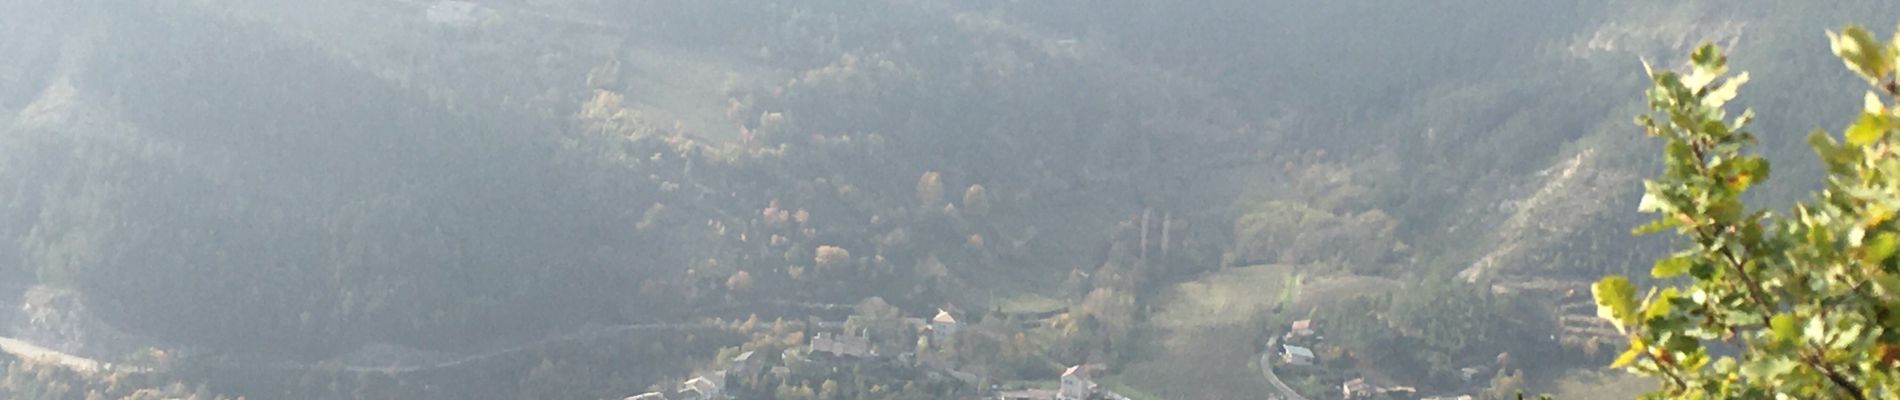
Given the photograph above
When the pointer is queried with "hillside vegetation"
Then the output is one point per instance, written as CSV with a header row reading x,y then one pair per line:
x,y
1161,186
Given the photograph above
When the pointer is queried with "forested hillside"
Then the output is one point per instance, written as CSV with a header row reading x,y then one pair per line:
x,y
1154,186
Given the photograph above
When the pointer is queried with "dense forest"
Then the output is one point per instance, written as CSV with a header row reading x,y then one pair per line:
x,y
598,199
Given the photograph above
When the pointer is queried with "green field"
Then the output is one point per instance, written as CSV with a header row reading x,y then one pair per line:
x,y
1203,346
1117,385
1588,384
1030,303
1224,297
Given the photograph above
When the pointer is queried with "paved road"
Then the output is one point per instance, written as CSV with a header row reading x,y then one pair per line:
x,y
32,352
496,353
29,351
1266,368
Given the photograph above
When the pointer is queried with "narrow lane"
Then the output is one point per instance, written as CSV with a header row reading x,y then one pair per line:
x,y
1266,368
34,353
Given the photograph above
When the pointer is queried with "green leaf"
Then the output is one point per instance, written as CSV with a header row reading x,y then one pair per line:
x,y
1727,91
1653,226
1861,53
1869,128
1748,170
1815,331
1768,368
1726,210
1628,356
1782,325
1615,300
1672,266
1708,59
1846,337
1699,79
1653,200
1879,249
1889,285
1742,121
1705,271
1821,141
1725,364
1837,158
1659,306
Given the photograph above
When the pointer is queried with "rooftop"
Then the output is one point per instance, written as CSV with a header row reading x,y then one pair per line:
x,y
1298,351
944,316
1027,394
1085,371
703,383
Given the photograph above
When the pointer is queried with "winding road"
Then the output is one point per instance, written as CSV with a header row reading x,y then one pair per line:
x,y
397,370
32,352
590,334
1266,368
29,351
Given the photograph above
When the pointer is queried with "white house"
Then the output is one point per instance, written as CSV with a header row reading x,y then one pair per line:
x,y
1297,355
704,387
1356,389
943,326
1077,383
1301,328
844,345
746,363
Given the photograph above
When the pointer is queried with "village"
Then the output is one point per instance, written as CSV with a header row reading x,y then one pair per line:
x,y
838,346
1294,352
852,345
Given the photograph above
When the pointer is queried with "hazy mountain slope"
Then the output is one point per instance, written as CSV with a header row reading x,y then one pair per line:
x,y
303,198
1580,223
306,177
297,185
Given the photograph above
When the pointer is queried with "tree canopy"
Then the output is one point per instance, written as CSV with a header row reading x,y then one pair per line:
x,y
1762,304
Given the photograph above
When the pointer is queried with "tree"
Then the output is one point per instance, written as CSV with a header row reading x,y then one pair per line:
x,y
1810,301
1504,386
976,200
877,309
831,256
739,282
929,190
828,390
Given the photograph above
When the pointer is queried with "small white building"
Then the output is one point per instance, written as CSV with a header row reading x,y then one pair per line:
x,y
1356,389
746,363
840,346
1076,384
1296,355
703,387
1471,374
1301,328
944,326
